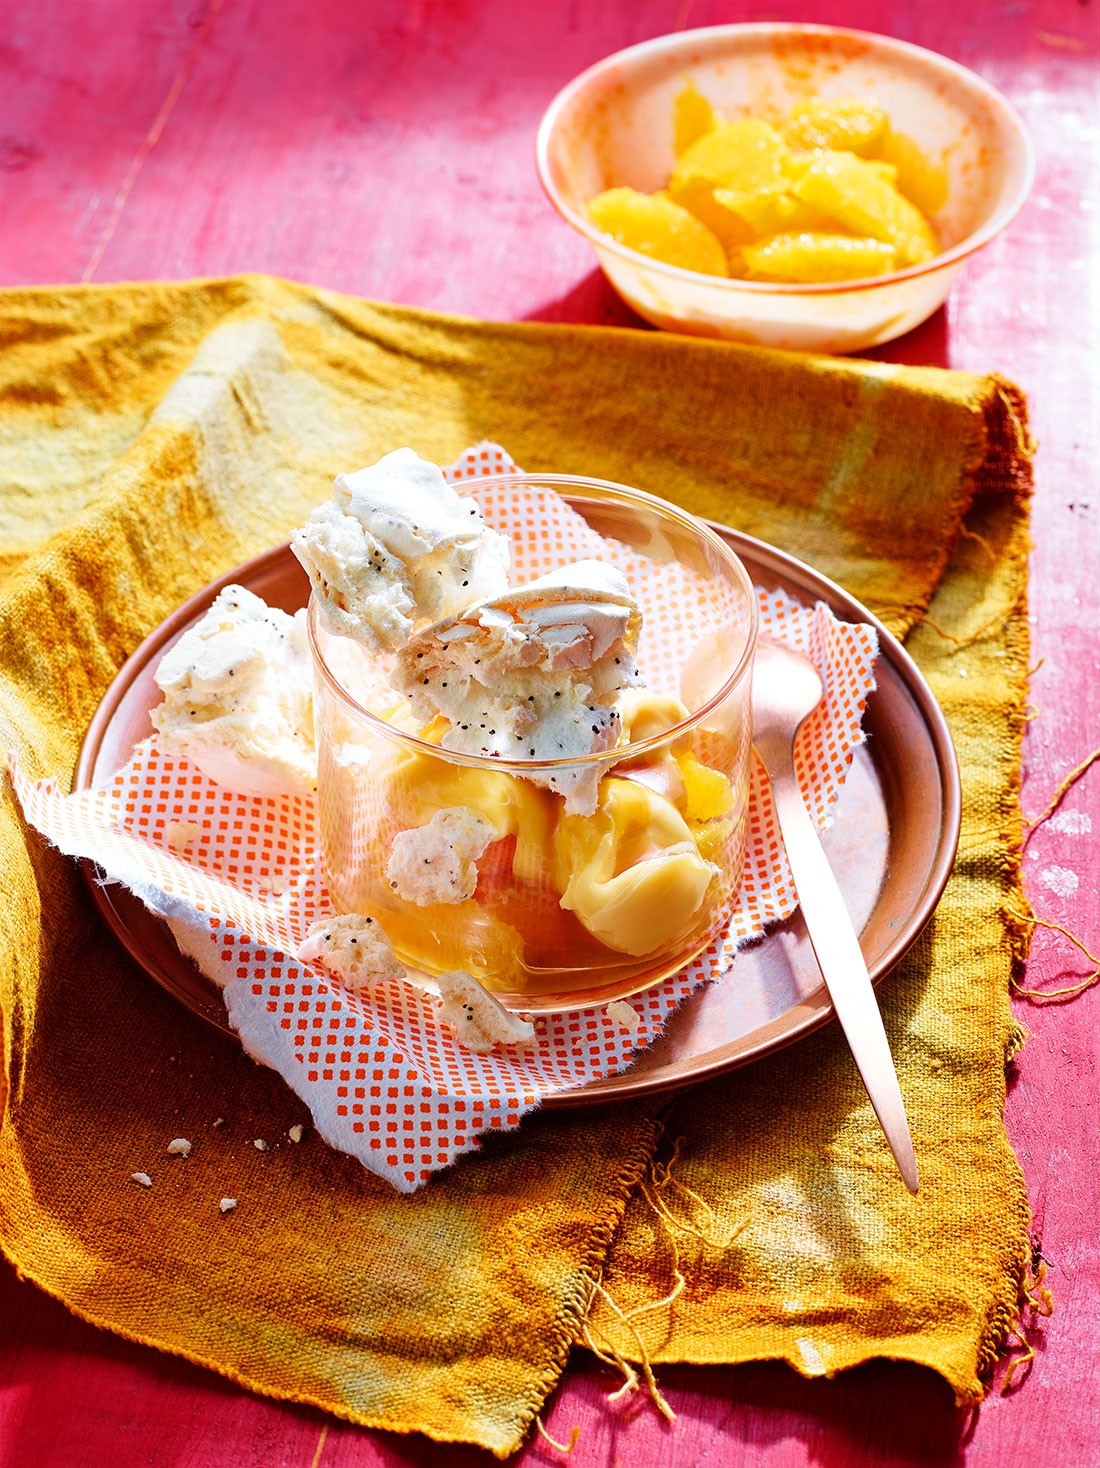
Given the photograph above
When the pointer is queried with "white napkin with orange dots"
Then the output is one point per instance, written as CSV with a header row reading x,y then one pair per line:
x,y
239,880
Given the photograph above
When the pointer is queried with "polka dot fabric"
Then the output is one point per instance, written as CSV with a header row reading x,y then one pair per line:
x,y
385,1081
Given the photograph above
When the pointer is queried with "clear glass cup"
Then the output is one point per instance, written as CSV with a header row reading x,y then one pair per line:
x,y
568,909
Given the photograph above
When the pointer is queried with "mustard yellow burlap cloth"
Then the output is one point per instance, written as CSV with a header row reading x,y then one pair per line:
x,y
151,437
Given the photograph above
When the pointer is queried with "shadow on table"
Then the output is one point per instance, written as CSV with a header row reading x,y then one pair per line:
x,y
927,345
592,302
883,1412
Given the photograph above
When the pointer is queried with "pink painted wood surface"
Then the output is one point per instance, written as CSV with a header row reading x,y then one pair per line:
x,y
386,149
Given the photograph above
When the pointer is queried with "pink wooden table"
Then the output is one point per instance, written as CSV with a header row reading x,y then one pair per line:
x,y
385,149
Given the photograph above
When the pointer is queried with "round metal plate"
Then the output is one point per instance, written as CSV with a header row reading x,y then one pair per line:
x,y
891,843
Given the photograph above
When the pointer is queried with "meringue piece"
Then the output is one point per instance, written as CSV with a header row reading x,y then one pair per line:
x,y
362,590
238,697
532,674
623,1014
397,548
478,1019
422,785
353,949
437,862
631,873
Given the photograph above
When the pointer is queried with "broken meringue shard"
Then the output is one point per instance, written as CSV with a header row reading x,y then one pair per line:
x,y
353,948
238,697
477,1018
532,674
437,862
397,548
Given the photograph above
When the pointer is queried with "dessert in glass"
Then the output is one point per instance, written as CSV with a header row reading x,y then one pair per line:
x,y
545,787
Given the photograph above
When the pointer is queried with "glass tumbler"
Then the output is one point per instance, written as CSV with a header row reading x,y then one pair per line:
x,y
568,909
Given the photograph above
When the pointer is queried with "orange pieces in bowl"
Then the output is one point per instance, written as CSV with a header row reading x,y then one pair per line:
x,y
813,257
854,192
655,225
830,193
852,125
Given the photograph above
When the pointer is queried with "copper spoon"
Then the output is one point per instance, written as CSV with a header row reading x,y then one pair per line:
x,y
786,689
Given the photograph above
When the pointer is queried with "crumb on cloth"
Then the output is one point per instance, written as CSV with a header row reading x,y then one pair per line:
x,y
352,948
623,1014
476,1017
182,834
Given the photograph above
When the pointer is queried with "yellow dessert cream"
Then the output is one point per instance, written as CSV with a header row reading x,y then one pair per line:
x,y
634,886
631,872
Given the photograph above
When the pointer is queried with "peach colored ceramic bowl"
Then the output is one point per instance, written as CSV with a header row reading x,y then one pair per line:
x,y
613,125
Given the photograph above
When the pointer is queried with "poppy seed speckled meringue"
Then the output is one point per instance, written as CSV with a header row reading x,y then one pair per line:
x,y
396,549
532,674
238,699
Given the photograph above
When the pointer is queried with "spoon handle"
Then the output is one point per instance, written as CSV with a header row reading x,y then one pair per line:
x,y
842,965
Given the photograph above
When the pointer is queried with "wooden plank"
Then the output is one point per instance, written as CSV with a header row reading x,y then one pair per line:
x,y
387,150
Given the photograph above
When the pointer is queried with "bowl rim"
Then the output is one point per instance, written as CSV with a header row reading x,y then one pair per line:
x,y
673,41
699,527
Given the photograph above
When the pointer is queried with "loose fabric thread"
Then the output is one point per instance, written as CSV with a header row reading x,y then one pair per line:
x,y
659,1181
1037,1300
1032,919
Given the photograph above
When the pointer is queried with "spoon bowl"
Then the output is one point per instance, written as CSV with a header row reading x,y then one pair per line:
x,y
785,691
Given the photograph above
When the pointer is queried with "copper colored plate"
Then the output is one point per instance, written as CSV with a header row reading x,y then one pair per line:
x,y
892,844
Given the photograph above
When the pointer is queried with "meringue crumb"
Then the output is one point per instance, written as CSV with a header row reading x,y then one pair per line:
x,y
296,1133
182,834
624,1015
437,862
260,1145
179,1147
274,885
476,1017
227,1205
353,948
143,1178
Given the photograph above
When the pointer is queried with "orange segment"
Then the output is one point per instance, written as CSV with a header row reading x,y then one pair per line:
x,y
920,180
728,227
855,194
854,124
811,258
770,212
692,118
740,155
659,228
